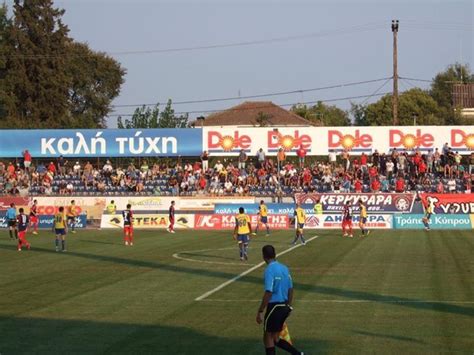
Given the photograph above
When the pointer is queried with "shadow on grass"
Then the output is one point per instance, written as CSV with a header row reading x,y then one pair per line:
x,y
388,336
57,336
324,290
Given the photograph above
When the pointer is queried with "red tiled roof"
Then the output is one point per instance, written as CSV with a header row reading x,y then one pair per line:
x,y
246,114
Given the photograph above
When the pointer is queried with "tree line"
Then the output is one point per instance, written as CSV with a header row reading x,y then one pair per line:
x,y
427,107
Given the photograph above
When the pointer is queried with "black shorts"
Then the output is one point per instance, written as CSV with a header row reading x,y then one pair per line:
x,y
71,218
275,317
12,223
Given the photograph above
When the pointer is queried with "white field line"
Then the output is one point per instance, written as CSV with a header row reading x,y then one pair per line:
x,y
349,301
177,256
239,276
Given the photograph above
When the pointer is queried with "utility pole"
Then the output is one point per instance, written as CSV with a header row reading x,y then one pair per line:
x,y
395,74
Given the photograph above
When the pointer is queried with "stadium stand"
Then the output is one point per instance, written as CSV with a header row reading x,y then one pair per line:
x,y
398,171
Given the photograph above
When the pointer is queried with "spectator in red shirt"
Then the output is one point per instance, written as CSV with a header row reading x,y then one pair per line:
x,y
26,159
400,185
52,168
373,172
11,169
422,168
440,188
301,153
358,185
375,186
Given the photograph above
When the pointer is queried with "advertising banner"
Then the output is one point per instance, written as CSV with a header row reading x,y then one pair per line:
x,y
320,140
5,202
46,221
375,202
334,221
252,208
148,221
91,206
102,143
222,221
208,204
450,203
444,221
141,203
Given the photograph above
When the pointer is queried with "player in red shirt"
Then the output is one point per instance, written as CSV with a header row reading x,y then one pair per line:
x,y
171,217
34,218
347,220
22,222
128,225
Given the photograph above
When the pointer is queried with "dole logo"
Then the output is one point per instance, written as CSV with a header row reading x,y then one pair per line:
x,y
215,140
288,142
398,138
347,141
460,138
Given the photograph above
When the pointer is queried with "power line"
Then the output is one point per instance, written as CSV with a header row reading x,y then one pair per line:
x,y
280,93
267,106
335,32
376,91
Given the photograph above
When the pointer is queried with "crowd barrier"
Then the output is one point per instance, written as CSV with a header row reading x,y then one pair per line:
x,y
386,211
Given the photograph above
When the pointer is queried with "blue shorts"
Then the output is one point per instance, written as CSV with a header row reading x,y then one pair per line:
x,y
243,238
60,231
428,216
300,225
363,220
264,219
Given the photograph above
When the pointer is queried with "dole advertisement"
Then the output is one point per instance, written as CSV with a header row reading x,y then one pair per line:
x,y
91,206
450,203
356,140
222,221
148,221
442,221
334,221
101,143
375,202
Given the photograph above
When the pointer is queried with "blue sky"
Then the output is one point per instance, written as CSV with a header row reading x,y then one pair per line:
x,y
432,35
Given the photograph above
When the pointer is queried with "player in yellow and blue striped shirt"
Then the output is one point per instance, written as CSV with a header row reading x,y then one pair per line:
x,y
263,217
300,218
242,231
363,218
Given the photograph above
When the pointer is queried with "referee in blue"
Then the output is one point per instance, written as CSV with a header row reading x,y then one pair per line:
x,y
276,303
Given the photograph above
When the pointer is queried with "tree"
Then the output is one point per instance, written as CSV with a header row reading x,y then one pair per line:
x,y
323,114
412,103
95,82
359,112
36,77
263,119
144,117
442,87
4,22
50,80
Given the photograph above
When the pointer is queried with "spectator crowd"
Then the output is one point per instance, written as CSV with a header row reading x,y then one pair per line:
x,y
444,171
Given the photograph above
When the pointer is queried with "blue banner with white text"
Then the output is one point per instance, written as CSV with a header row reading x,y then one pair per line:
x,y
101,143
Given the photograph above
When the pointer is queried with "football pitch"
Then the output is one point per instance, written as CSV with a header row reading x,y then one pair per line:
x,y
392,292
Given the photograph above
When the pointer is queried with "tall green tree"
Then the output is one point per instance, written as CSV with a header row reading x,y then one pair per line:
x,y
4,22
321,113
413,104
145,117
51,81
36,77
95,81
442,87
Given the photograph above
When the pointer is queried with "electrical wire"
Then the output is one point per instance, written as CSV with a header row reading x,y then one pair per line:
x,y
280,93
265,106
376,91
341,31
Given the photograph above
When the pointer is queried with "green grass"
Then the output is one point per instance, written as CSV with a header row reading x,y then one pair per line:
x,y
393,292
